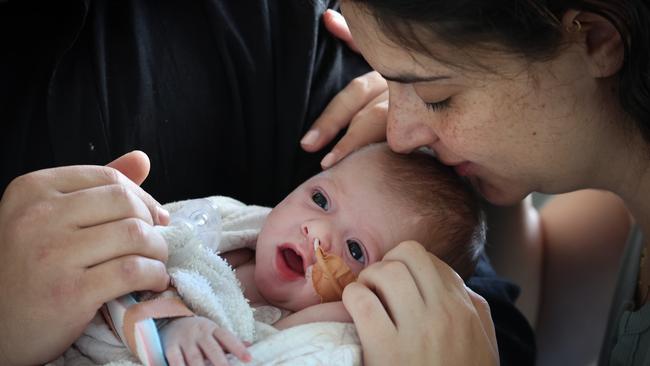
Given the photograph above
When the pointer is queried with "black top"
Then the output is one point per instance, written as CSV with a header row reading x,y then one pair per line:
x,y
217,93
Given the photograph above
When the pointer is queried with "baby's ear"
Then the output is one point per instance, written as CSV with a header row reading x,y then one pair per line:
x,y
602,41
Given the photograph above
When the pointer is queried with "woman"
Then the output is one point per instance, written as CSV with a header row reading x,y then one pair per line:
x,y
216,92
518,97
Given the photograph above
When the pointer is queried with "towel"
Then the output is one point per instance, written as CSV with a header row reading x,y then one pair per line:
x,y
200,230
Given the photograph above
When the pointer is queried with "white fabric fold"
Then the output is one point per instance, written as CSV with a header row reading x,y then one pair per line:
x,y
209,287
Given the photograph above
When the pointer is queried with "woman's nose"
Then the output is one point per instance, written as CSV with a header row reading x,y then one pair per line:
x,y
408,125
317,229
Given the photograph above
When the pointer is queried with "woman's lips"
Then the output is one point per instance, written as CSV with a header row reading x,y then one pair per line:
x,y
464,169
289,264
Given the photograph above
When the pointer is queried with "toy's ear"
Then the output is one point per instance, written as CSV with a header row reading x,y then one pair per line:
x,y
602,41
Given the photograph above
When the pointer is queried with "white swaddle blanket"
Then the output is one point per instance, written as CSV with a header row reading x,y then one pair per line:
x,y
209,287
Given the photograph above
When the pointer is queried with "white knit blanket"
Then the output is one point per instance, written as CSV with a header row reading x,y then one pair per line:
x,y
209,287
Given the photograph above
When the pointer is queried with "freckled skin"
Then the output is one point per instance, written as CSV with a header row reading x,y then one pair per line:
x,y
499,122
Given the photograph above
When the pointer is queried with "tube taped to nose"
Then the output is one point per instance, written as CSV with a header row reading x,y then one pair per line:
x,y
330,275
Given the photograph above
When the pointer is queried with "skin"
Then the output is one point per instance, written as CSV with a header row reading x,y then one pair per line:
x,y
500,130
364,301
67,257
360,107
549,126
357,209
192,340
585,234
135,262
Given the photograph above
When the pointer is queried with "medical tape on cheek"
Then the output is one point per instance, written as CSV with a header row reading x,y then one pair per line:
x,y
330,275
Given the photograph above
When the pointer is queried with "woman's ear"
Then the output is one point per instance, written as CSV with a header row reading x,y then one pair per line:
x,y
602,41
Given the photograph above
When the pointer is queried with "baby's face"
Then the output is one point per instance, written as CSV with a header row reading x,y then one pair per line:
x,y
346,209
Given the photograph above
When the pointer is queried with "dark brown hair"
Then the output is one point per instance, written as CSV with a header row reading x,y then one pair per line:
x,y
527,28
453,222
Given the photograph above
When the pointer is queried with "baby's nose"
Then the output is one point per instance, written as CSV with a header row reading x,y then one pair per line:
x,y
317,230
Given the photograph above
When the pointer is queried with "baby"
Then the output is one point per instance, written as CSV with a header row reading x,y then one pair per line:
x,y
356,211
325,232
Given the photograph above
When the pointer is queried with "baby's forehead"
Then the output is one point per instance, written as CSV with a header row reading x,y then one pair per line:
x,y
369,157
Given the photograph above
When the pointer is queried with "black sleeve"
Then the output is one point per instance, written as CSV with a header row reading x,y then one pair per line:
x,y
515,337
217,93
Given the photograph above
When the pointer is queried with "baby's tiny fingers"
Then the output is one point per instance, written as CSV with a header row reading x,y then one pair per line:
x,y
213,352
193,355
232,344
174,356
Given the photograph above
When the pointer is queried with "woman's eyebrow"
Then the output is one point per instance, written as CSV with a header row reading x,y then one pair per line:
x,y
411,78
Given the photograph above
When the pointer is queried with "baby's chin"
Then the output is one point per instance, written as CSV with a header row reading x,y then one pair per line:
x,y
293,300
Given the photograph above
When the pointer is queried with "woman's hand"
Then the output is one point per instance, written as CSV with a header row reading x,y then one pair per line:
x,y
71,239
413,309
361,106
335,24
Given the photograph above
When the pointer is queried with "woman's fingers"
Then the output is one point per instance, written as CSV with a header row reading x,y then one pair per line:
x,y
391,282
362,107
483,310
363,100
67,272
423,312
70,179
130,236
336,24
103,204
432,276
368,126
134,165
119,276
368,313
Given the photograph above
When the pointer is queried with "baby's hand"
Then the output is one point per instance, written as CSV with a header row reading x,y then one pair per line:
x,y
192,340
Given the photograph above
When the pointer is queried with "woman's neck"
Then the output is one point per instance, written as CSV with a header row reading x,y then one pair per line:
x,y
631,181
637,200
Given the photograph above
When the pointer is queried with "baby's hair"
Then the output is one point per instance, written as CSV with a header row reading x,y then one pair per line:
x,y
453,222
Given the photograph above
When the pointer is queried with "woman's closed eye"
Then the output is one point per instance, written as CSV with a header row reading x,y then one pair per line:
x,y
320,200
357,251
438,106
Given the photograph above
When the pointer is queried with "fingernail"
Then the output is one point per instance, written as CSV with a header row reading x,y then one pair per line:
x,y
335,14
163,216
247,357
310,138
328,160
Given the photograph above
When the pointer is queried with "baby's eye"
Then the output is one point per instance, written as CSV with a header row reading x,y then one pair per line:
x,y
356,251
320,199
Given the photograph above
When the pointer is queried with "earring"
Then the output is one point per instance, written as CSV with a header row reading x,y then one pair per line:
x,y
575,27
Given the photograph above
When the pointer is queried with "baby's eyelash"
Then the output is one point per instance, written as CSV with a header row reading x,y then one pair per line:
x,y
438,106
356,248
320,199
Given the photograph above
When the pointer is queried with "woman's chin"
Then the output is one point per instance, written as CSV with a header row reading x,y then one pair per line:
x,y
499,196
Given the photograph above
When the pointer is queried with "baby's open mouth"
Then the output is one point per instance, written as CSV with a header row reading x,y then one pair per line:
x,y
293,261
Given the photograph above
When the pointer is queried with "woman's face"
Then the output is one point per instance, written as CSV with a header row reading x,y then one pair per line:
x,y
522,128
